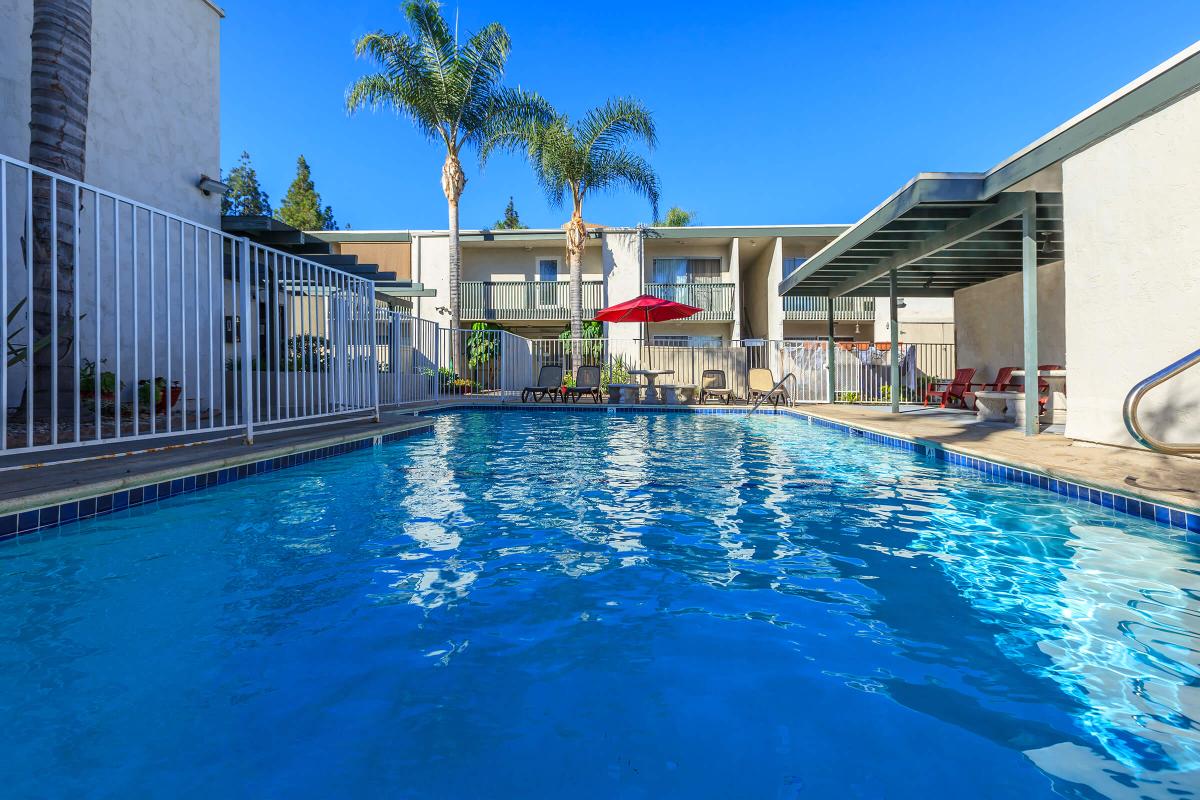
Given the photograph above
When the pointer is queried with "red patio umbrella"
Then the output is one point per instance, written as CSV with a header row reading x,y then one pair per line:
x,y
646,308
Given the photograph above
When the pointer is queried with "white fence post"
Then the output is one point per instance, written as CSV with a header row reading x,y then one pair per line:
x,y
242,274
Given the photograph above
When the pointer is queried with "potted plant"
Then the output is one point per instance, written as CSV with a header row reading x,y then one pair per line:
x,y
158,390
87,382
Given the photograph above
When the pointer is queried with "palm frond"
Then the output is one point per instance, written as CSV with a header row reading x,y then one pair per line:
x,y
515,123
609,126
623,168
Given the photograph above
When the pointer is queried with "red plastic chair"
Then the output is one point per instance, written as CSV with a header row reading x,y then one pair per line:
x,y
1044,386
1002,382
953,391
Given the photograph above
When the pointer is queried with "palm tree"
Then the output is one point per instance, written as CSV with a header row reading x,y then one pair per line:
x,y
581,157
450,91
60,80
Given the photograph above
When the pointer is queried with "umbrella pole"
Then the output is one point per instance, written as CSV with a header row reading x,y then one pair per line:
x,y
646,341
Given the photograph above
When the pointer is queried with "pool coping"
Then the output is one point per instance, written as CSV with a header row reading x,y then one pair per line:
x,y
1164,513
37,512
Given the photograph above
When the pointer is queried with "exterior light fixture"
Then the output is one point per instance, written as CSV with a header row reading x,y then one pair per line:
x,y
210,185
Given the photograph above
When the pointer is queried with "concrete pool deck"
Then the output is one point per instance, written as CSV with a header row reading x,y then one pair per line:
x,y
1170,480
39,486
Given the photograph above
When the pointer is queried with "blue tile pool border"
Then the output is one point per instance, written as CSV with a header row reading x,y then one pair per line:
x,y
1187,522
41,519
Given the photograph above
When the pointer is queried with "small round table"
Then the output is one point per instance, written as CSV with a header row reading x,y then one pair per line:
x,y
651,375
991,406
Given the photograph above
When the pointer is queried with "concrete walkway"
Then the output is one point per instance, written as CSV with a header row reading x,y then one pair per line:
x,y
31,487
1170,480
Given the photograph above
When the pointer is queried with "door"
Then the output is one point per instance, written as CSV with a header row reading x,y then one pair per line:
x,y
547,276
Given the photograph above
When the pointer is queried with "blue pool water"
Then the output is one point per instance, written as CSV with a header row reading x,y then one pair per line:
x,y
530,605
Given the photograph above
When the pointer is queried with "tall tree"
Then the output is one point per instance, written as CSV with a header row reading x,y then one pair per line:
x,y
245,197
60,82
677,218
301,206
450,91
592,154
511,221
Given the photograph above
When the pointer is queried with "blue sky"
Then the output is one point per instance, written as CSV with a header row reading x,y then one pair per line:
x,y
800,112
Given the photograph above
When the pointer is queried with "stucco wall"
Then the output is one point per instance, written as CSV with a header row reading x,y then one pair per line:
x,y
757,293
490,263
1132,228
16,20
154,105
922,319
989,323
622,278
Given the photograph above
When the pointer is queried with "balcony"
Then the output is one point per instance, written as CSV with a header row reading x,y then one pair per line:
x,y
525,300
845,309
716,299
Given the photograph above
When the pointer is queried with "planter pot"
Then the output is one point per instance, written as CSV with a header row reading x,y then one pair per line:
x,y
161,408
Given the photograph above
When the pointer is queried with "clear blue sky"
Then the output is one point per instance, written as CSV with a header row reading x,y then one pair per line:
x,y
767,112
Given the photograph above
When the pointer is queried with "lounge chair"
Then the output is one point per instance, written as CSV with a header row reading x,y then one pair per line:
x,y
713,384
587,382
949,393
549,382
762,387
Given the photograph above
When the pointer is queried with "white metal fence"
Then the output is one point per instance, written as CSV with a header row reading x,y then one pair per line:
x,y
125,322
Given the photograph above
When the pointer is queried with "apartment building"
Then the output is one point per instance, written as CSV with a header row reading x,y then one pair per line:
x,y
519,279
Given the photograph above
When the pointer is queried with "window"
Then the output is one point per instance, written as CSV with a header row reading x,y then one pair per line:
x,y
687,341
687,270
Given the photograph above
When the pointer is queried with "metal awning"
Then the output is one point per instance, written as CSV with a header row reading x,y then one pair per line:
x,y
940,233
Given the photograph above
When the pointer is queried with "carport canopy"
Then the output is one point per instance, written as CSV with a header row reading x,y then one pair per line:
x,y
940,233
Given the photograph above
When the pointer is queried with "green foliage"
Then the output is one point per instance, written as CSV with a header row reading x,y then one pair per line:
x,y
301,207
245,197
308,354
483,343
146,389
450,90
677,218
592,346
511,221
87,379
614,372
17,353
589,154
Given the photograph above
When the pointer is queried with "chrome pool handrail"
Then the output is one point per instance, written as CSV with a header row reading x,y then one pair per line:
x,y
1139,390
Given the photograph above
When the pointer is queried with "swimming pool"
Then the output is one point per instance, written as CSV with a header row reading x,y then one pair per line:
x,y
524,604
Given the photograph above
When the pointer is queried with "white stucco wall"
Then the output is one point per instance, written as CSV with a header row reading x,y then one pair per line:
x,y
154,120
922,319
735,277
16,21
1132,228
989,323
490,263
622,278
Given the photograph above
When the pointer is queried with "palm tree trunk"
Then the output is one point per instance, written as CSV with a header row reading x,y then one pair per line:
x,y
576,240
453,183
60,80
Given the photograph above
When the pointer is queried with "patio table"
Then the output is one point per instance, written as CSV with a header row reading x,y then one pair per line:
x,y
651,375
1055,412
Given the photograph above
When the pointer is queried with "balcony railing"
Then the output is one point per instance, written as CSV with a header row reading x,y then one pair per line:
x,y
715,298
845,309
521,300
